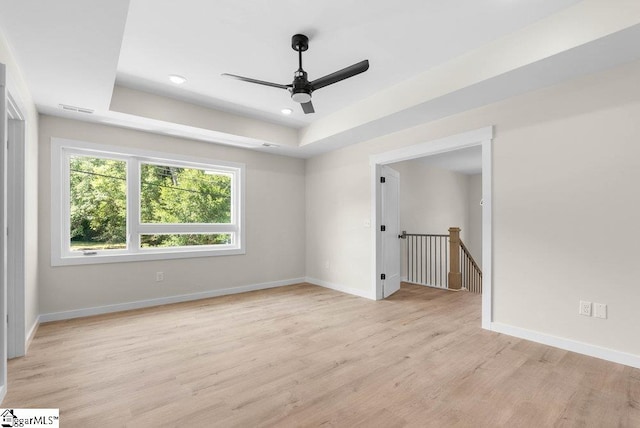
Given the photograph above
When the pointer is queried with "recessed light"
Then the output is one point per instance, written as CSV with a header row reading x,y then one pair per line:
x,y
177,79
286,111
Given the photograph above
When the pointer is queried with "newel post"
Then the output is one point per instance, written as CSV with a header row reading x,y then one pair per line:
x,y
455,277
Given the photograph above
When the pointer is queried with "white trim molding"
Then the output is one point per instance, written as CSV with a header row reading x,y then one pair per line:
x,y
434,147
16,134
139,304
31,334
619,357
3,235
341,288
62,150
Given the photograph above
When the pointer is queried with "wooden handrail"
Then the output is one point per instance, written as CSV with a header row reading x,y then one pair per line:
x,y
404,234
468,254
471,272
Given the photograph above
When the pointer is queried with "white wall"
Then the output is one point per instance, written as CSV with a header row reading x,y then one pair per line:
x,y
173,111
431,199
20,92
275,225
473,237
566,163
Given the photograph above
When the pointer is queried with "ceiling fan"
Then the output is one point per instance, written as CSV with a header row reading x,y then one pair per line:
x,y
301,89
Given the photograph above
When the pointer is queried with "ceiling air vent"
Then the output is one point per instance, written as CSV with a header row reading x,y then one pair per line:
x,y
76,109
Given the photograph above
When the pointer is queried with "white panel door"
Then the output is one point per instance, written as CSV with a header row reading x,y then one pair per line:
x,y
391,223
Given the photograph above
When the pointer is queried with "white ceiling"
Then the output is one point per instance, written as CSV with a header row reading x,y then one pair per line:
x,y
68,50
202,39
429,59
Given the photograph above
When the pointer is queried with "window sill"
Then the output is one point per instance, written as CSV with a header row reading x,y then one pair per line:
x,y
142,256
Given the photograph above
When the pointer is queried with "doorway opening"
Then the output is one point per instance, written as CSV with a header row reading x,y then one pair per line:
x,y
383,261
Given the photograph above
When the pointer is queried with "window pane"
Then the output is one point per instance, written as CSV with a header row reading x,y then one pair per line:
x,y
98,203
184,240
175,195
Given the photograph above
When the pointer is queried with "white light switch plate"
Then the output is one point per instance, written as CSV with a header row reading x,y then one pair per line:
x,y
600,310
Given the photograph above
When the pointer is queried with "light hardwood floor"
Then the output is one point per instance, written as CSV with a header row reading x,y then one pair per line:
x,y
307,356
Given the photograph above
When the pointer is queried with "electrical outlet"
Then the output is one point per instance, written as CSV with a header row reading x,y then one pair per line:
x,y
600,310
585,308
159,276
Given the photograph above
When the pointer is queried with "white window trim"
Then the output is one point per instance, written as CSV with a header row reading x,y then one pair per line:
x,y
62,148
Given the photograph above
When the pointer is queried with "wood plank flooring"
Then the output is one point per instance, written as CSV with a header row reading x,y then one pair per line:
x,y
307,356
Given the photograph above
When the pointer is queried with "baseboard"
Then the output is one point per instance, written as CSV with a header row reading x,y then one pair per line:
x,y
31,334
341,288
99,310
569,345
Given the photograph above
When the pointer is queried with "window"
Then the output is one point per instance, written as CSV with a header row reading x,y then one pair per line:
x,y
113,204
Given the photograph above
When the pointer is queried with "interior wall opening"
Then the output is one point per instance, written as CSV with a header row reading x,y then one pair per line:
x,y
437,193
423,162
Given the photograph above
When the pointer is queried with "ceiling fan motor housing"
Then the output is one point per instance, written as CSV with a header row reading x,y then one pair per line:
x,y
301,89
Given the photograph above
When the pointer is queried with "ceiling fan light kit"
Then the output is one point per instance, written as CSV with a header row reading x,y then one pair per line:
x,y
301,89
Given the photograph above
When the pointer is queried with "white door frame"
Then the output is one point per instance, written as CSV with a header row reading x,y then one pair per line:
x,y
16,329
479,137
3,235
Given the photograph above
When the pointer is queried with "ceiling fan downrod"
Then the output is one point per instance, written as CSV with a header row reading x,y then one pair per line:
x,y
300,89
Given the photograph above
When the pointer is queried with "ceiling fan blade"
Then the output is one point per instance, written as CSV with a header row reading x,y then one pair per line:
x,y
259,82
307,108
339,75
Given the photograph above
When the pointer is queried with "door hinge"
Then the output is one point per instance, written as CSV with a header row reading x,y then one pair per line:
x,y
383,228
383,180
383,276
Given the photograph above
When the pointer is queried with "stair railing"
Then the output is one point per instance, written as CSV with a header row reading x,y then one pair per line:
x,y
441,261
427,260
470,271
